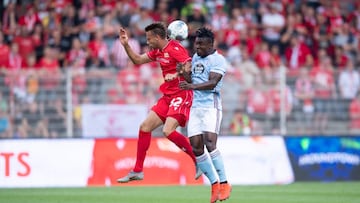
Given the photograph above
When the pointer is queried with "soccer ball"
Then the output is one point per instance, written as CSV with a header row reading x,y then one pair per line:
x,y
178,30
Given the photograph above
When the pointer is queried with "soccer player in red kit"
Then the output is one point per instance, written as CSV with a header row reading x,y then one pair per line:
x,y
172,109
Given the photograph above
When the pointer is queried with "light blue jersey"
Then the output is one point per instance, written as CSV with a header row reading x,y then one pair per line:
x,y
201,68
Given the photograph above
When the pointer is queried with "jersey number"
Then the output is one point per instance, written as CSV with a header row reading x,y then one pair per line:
x,y
175,102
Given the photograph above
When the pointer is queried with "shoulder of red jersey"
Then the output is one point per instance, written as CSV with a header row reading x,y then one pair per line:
x,y
175,45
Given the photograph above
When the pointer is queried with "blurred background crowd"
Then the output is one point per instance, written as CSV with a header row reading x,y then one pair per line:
x,y
44,43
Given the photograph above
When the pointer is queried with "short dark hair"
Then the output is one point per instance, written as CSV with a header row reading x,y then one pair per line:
x,y
205,33
157,28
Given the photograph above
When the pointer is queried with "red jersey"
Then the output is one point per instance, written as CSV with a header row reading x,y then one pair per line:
x,y
257,101
26,45
168,57
4,54
323,80
48,64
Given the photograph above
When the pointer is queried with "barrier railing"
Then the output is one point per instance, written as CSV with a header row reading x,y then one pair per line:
x,y
34,105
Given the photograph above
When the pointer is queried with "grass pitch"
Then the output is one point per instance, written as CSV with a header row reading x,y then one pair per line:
x,y
339,192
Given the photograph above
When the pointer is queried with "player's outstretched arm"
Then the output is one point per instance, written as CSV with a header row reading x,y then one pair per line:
x,y
134,57
214,78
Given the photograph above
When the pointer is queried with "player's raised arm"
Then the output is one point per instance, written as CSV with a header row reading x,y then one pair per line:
x,y
134,57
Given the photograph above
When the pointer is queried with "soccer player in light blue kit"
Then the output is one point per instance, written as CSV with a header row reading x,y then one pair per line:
x,y
205,79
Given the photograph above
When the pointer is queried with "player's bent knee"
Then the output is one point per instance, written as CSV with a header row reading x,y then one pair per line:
x,y
144,127
210,146
198,151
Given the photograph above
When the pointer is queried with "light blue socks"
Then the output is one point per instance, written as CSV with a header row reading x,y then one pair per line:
x,y
204,163
218,164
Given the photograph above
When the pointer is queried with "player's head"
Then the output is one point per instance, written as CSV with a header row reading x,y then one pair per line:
x,y
204,42
155,33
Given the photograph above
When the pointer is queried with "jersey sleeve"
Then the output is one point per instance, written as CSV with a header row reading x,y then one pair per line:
x,y
220,65
152,54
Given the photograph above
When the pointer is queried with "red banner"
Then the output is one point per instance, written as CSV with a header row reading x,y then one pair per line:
x,y
165,163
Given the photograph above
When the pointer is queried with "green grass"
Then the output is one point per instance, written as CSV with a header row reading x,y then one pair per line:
x,y
340,192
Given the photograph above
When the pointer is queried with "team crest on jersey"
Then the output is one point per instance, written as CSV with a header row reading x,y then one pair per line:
x,y
199,68
166,55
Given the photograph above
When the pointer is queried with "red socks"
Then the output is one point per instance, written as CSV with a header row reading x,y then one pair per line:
x,y
142,146
144,142
182,142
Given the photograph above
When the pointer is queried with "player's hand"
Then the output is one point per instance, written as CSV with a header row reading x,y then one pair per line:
x,y
186,86
180,68
123,37
170,76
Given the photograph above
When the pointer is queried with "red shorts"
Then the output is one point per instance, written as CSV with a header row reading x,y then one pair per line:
x,y
176,105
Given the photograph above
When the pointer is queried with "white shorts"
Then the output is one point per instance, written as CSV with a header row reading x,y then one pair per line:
x,y
204,120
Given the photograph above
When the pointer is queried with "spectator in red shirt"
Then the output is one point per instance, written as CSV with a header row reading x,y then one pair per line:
x,y
253,40
16,74
15,61
340,58
4,51
257,100
98,50
297,54
49,73
25,42
263,56
30,18
335,18
231,35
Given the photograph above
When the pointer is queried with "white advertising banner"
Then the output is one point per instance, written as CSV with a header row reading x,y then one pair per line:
x,y
112,120
256,160
75,162
45,163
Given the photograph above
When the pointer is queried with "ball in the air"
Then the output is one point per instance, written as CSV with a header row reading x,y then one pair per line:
x,y
178,30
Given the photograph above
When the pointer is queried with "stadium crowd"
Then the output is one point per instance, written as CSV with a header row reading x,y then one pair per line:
x,y
315,41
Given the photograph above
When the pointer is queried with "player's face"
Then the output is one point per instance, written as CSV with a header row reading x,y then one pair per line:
x,y
152,40
203,46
